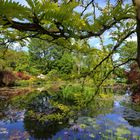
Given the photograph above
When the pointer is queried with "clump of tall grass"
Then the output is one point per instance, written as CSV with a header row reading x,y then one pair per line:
x,y
76,94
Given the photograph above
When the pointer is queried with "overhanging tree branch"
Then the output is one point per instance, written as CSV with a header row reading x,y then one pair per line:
x,y
91,2
114,48
57,33
107,75
130,59
103,29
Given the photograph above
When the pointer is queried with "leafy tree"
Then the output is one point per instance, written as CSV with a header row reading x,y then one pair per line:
x,y
65,64
38,51
46,56
65,22
13,60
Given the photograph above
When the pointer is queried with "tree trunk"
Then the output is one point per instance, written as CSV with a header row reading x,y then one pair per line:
x,y
138,42
137,7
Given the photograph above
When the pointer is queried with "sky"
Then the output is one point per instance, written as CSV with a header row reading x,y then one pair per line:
x,y
21,1
101,2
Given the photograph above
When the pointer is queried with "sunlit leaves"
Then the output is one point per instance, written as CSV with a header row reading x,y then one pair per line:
x,y
10,9
128,50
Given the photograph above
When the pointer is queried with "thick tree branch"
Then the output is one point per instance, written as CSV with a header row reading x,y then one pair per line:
x,y
57,33
33,27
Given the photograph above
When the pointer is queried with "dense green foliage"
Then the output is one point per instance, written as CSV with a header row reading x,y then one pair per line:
x,y
60,39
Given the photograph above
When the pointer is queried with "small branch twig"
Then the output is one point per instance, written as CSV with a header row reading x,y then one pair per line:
x,y
107,75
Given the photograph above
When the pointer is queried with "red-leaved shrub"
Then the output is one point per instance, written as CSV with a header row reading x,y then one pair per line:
x,y
133,77
7,78
22,76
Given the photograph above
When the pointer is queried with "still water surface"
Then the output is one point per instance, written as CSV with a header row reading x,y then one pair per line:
x,y
119,119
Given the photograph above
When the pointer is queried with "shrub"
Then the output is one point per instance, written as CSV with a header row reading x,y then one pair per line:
x,y
133,77
7,78
22,76
75,94
53,75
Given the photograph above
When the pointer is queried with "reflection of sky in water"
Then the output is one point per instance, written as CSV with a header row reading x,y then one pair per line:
x,y
84,128
95,128
112,121
120,116
12,125
116,104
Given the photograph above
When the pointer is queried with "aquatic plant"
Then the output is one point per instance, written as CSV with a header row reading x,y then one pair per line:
x,y
58,112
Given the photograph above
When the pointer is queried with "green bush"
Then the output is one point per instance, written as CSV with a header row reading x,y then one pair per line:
x,y
23,83
76,94
53,75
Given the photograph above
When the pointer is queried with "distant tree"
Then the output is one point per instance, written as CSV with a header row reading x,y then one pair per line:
x,y
46,56
13,60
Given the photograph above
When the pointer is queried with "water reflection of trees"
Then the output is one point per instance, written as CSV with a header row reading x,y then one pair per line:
x,y
99,106
4,109
132,117
3,106
13,109
18,107
39,103
40,130
9,113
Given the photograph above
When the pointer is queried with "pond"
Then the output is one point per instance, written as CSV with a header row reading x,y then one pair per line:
x,y
115,118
